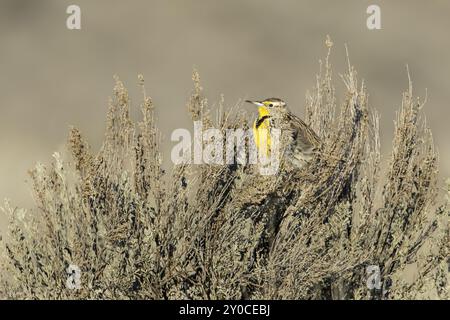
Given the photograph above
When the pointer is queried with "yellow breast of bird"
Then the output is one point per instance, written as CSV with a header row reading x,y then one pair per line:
x,y
261,130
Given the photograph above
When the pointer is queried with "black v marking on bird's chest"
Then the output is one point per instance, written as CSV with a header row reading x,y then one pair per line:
x,y
260,121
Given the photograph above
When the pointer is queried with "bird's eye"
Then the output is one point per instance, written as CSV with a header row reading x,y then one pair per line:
x,y
271,105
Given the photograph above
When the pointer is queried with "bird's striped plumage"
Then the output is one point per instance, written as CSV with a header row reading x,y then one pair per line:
x,y
298,141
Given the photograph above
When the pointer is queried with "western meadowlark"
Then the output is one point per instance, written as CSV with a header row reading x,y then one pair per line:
x,y
298,141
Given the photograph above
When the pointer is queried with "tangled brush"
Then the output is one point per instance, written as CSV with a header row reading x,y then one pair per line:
x,y
135,231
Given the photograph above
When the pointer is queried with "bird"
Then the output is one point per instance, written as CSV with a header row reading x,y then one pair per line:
x,y
299,142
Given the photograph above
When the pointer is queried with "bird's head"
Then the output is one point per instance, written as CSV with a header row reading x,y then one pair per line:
x,y
268,106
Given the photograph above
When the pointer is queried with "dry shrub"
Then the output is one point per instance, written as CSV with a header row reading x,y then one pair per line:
x,y
226,232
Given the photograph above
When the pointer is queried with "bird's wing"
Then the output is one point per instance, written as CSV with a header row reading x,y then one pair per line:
x,y
304,132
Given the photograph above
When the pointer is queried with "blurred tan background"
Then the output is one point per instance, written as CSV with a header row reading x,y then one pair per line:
x,y
51,77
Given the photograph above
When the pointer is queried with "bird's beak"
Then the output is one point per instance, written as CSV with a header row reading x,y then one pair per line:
x,y
256,103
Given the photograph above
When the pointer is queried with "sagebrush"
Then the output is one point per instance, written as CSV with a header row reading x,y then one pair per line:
x,y
227,232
